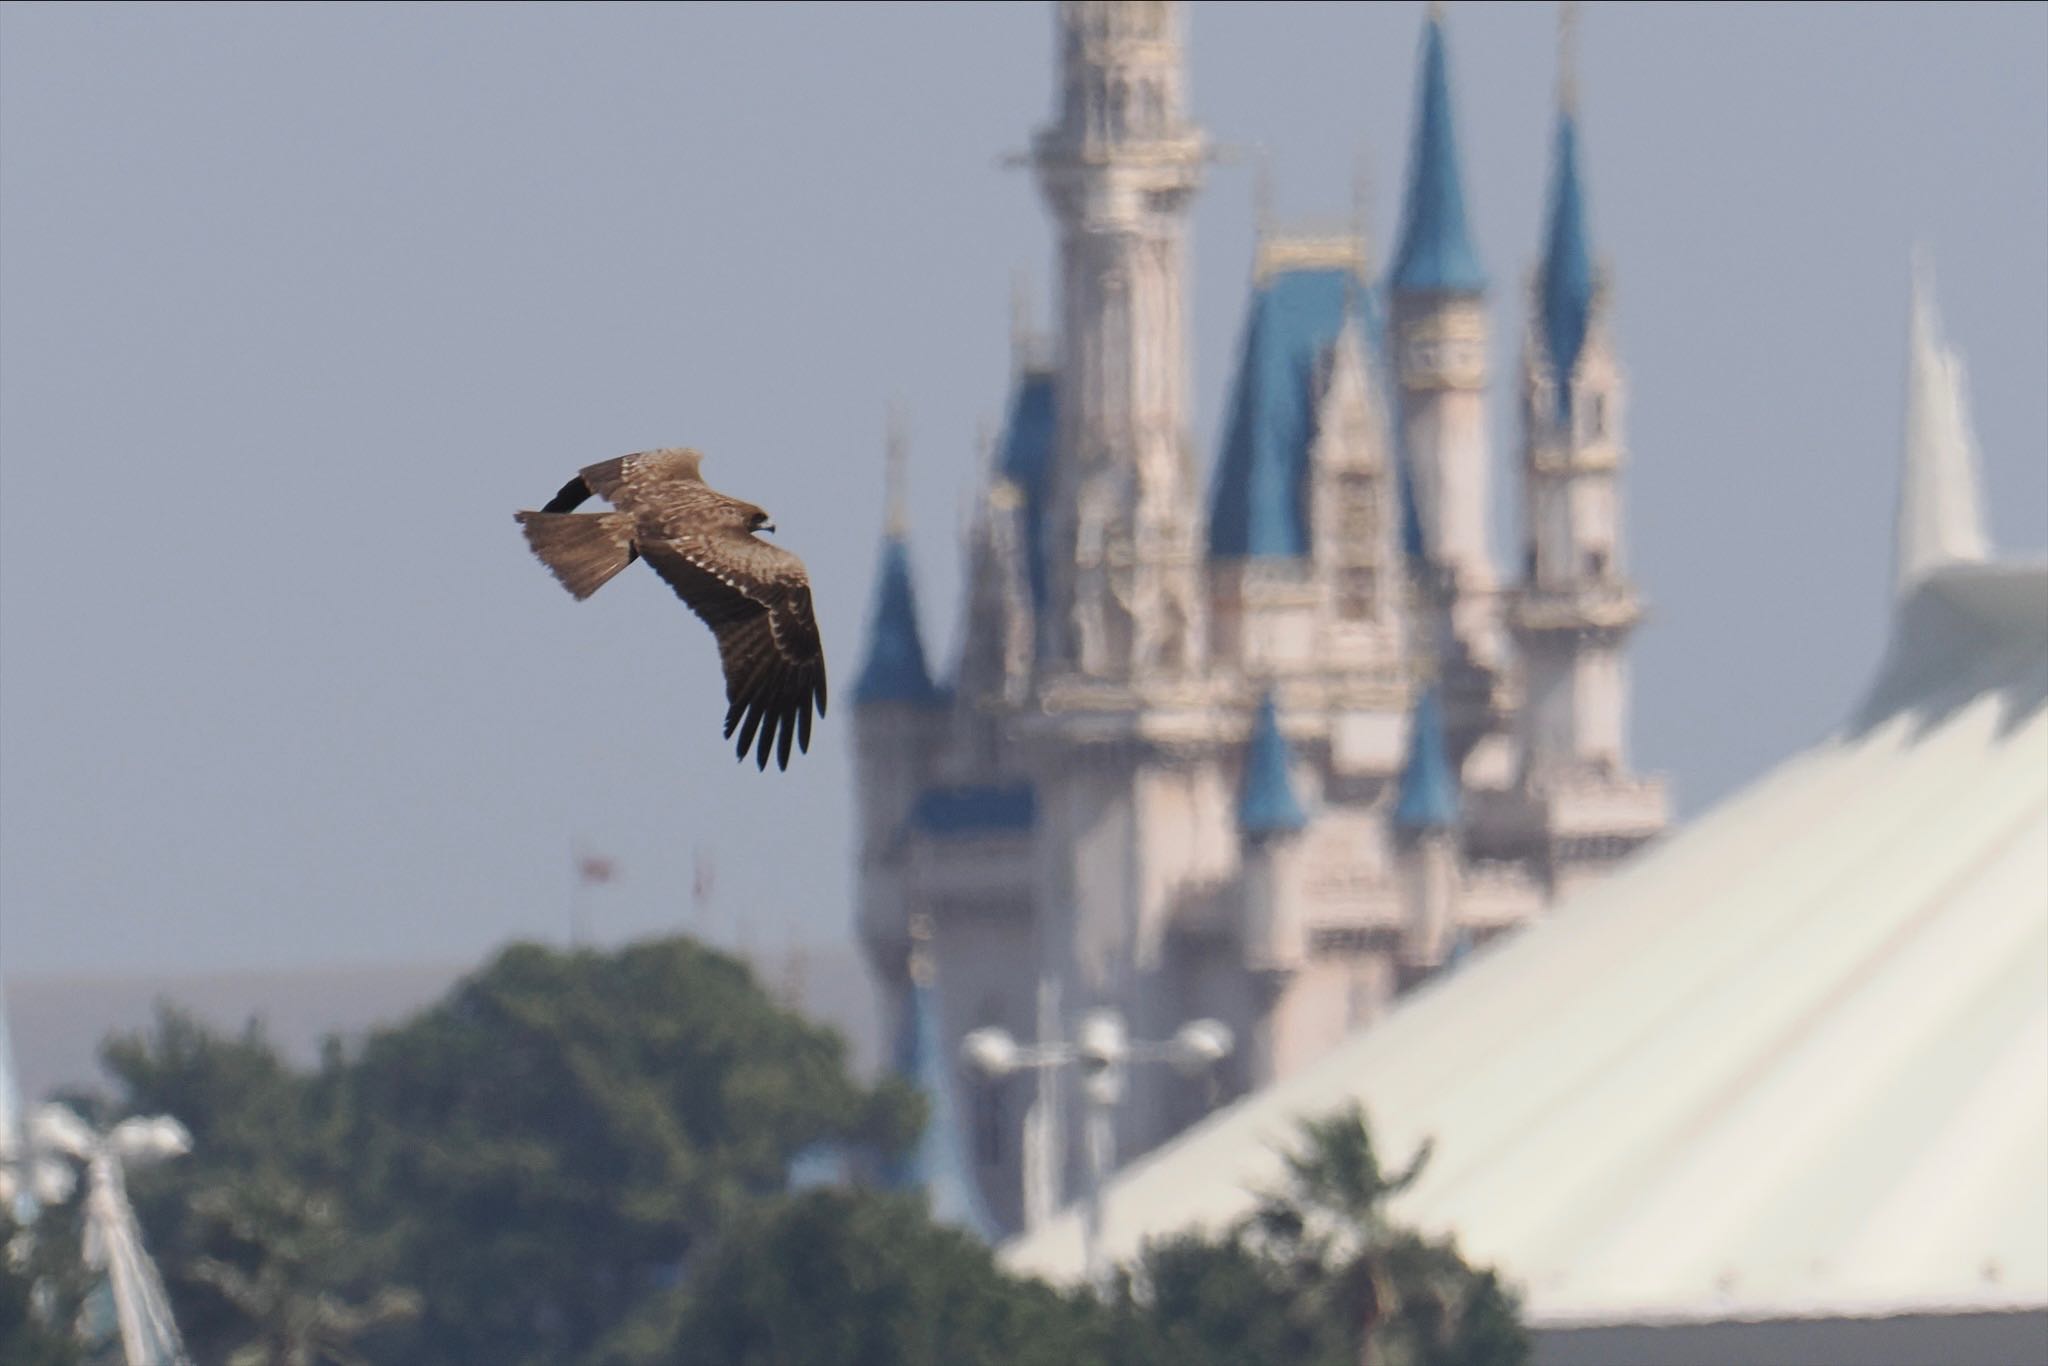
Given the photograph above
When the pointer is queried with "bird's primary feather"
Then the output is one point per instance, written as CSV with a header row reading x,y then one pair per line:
x,y
755,596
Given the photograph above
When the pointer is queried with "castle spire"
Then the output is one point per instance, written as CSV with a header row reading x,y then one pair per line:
x,y
1119,165
1435,255
895,668
895,451
1566,285
1267,806
1428,795
1568,57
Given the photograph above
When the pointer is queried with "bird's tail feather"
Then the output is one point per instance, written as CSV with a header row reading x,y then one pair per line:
x,y
584,549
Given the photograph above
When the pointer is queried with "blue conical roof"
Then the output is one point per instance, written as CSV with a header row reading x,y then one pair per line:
x,y
1412,544
1259,506
1436,253
1566,285
1268,806
1026,461
937,1164
895,670
1428,797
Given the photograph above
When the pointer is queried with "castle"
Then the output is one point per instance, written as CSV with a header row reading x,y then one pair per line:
x,y
1276,754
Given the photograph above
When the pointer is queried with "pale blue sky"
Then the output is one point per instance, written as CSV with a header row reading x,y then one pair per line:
x,y
298,304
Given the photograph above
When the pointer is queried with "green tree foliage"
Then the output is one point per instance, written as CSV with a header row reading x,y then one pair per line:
x,y
524,1162
294,1251
40,1291
857,1278
579,1159
1321,1275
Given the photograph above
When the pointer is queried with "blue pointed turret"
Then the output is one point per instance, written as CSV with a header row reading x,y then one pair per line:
x,y
1428,797
1412,545
1268,806
1435,256
1566,283
1028,440
937,1164
895,670
1259,506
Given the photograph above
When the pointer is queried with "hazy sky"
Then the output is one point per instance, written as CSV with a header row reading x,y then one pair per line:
x,y
298,304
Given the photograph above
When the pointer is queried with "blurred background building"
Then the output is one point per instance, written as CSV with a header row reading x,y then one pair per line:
x,y
1778,1090
1276,755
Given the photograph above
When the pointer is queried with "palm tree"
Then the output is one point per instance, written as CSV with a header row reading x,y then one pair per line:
x,y
1330,1224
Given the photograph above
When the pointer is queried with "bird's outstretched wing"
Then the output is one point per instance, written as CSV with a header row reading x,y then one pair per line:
x,y
756,598
630,482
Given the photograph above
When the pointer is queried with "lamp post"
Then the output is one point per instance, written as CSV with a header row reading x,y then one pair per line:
x,y
1103,1050
113,1240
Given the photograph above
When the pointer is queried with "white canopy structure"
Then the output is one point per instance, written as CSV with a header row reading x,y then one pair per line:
x,y
1777,1089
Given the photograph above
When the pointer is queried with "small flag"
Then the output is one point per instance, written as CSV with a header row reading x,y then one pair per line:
x,y
595,868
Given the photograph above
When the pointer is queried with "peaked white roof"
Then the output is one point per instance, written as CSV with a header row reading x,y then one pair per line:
x,y
1941,515
1790,1061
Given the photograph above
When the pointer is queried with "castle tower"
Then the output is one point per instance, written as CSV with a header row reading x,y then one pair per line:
x,y
1272,929
1304,576
1118,168
1426,840
898,729
1575,607
1439,343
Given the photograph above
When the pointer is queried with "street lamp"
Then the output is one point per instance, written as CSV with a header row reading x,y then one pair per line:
x,y
1103,1050
113,1240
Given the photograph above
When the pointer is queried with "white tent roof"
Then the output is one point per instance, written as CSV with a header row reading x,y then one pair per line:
x,y
1790,1061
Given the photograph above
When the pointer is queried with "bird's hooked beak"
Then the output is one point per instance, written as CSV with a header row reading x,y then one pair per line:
x,y
767,526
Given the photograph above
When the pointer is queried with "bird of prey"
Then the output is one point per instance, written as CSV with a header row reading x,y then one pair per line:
x,y
753,595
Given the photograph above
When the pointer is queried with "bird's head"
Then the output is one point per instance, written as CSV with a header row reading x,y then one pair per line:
x,y
757,520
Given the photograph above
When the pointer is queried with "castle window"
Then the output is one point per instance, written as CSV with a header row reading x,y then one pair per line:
x,y
1596,563
1357,512
1596,417
1355,594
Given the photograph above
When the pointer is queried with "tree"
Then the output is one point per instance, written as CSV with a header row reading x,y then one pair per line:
x,y
535,1157
297,1253
1318,1275
858,1278
41,1288
557,1139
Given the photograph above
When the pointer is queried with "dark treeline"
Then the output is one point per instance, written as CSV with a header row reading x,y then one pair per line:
x,y
580,1159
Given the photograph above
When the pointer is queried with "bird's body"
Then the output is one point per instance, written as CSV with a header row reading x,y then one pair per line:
x,y
755,596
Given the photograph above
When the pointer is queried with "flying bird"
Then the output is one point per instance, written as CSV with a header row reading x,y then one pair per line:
x,y
754,595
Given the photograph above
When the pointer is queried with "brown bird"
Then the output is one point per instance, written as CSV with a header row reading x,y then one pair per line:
x,y
754,596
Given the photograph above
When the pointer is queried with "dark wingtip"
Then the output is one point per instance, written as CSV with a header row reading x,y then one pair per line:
x,y
573,494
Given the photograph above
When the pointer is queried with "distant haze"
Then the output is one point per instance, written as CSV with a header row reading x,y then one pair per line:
x,y
298,304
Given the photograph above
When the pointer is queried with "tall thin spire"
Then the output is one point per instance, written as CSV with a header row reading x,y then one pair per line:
x,y
1568,58
1941,511
1435,254
895,668
1361,204
896,448
1567,275
1024,348
1427,798
1266,803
